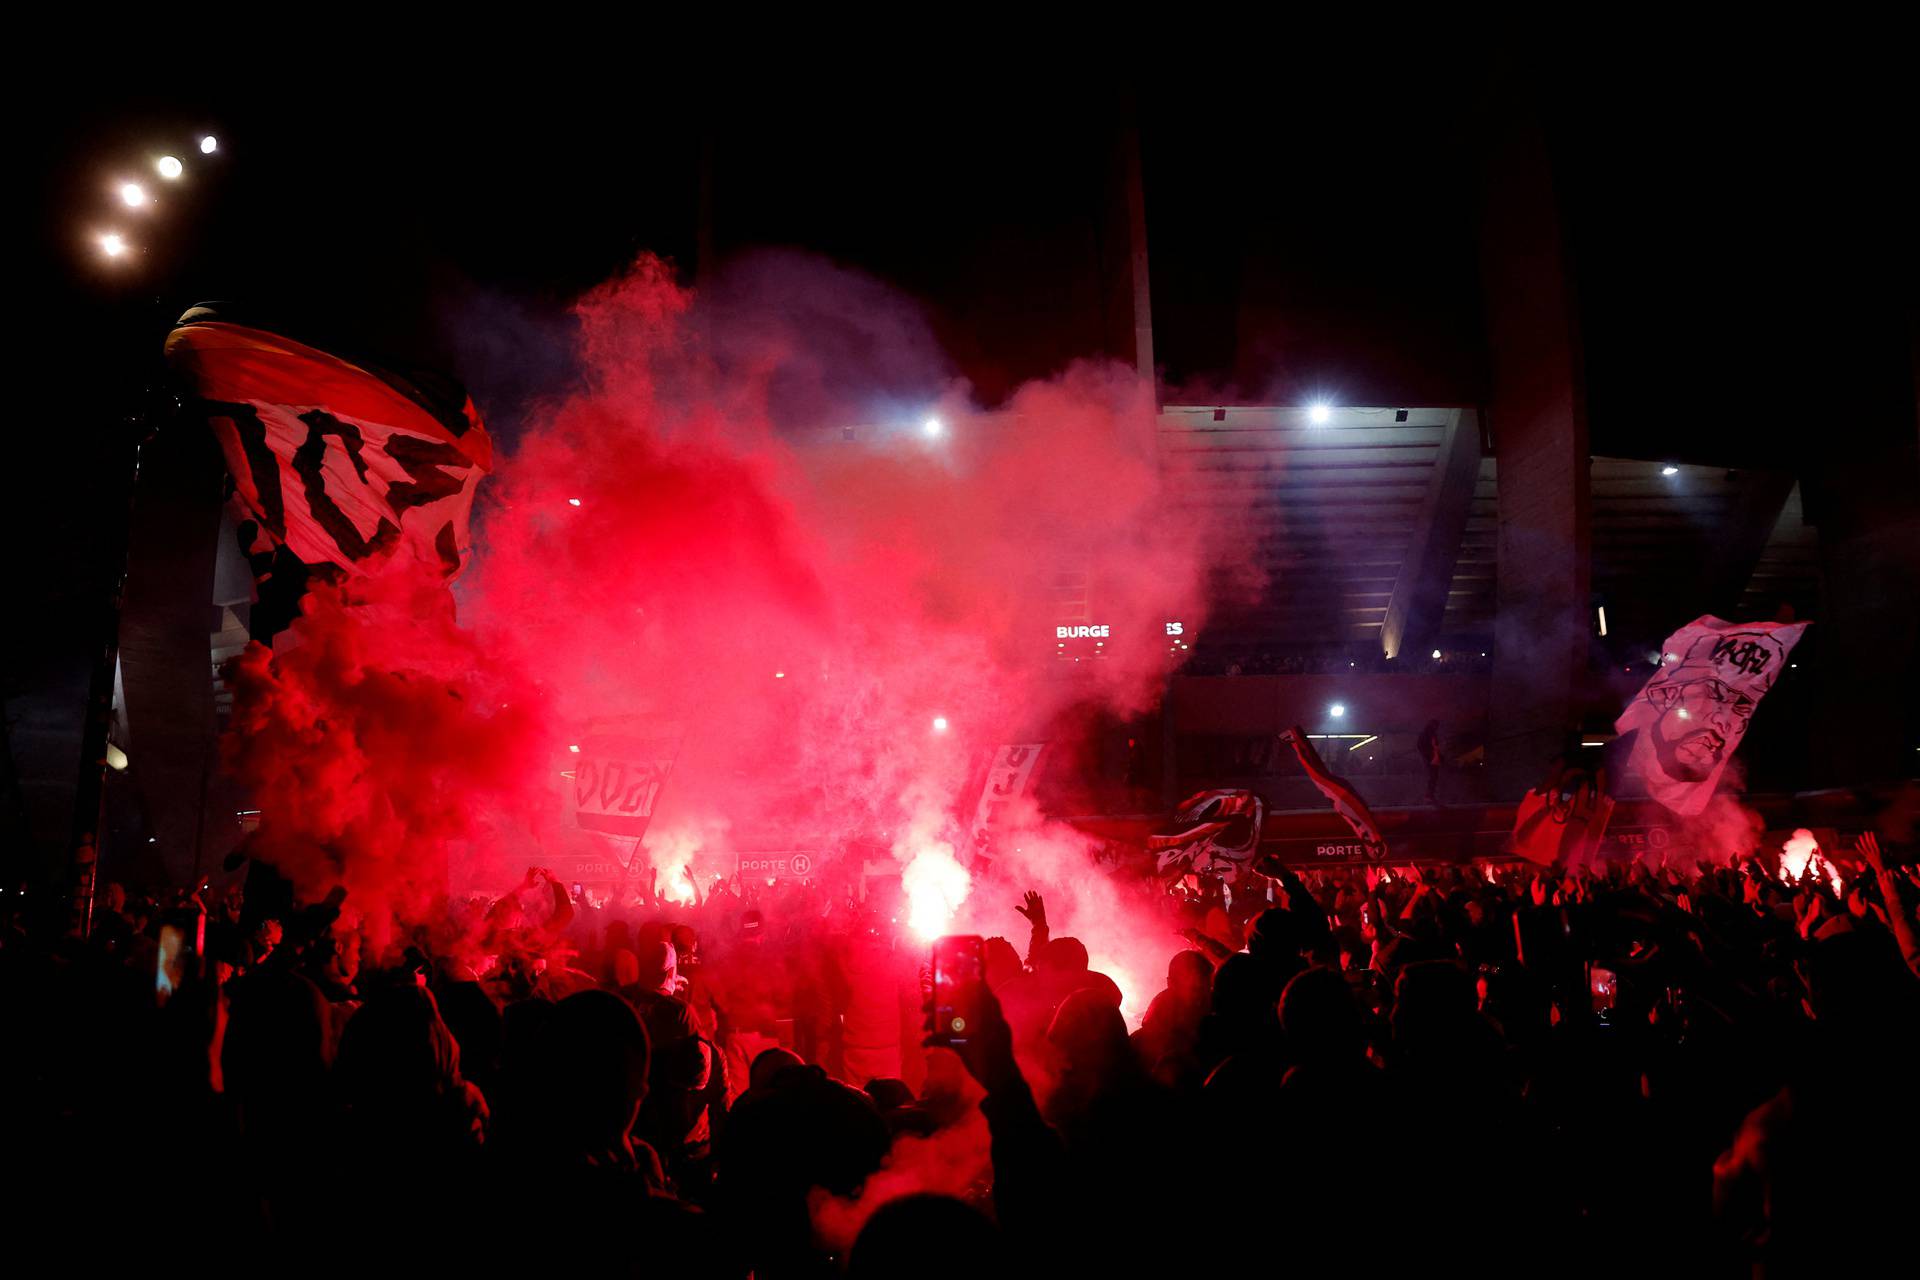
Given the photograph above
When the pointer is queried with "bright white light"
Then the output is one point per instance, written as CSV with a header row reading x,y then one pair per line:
x,y
132,194
779,675
116,758
209,145
574,747
1669,471
1319,415
573,502
169,167
939,724
1337,710
1603,620
1436,655
935,885
932,428
113,244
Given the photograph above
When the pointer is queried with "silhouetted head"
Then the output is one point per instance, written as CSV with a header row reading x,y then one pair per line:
x,y
888,1093
397,1050
1189,974
766,1068
659,966
1275,933
626,967
1063,955
1090,1035
596,1069
1002,962
1242,989
927,1237
1320,1017
1852,987
1434,1002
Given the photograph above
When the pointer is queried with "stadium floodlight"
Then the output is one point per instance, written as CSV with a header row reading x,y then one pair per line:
x,y
169,167
1319,414
113,244
132,194
209,144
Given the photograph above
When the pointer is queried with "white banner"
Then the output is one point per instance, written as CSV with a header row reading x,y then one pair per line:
x,y
617,779
1009,774
1692,714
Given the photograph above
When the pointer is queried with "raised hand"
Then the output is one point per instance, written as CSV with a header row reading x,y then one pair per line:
x,y
1868,847
1034,908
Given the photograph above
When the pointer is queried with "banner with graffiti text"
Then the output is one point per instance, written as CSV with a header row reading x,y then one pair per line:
x,y
1009,775
617,780
1690,717
1214,833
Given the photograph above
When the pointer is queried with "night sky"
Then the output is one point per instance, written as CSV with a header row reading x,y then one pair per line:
x,y
1742,271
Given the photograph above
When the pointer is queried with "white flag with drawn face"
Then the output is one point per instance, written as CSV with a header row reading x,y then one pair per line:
x,y
1693,712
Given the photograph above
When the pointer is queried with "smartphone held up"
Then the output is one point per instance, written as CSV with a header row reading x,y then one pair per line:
x,y
959,976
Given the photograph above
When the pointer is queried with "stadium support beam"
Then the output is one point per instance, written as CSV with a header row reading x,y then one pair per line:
x,y
1419,600
1536,412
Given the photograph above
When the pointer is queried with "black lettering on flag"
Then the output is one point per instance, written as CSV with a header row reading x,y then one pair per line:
x,y
1747,655
262,466
308,461
423,460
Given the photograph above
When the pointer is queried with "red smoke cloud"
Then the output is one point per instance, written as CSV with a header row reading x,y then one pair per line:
x,y
670,533
386,747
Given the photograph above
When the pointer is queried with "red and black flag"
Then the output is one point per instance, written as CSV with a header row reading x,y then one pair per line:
x,y
1346,801
341,465
1214,833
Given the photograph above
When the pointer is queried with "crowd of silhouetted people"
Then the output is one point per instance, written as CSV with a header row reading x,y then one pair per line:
x,y
1485,1068
1229,659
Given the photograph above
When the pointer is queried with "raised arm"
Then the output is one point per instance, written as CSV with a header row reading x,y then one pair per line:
x,y
1034,908
1899,919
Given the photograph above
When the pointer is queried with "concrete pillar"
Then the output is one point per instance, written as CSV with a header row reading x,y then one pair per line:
x,y
1536,414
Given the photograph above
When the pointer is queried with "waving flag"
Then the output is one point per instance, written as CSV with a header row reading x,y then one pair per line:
x,y
1561,828
1009,777
1215,833
1346,801
1693,713
341,465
